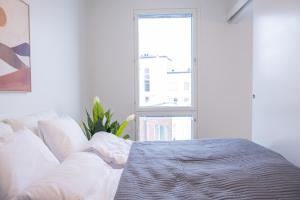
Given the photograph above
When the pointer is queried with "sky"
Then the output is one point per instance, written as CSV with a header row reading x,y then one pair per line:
x,y
170,37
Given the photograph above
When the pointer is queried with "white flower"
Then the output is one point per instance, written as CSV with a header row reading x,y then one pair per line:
x,y
96,100
130,117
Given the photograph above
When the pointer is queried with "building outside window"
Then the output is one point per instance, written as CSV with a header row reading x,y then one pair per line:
x,y
147,81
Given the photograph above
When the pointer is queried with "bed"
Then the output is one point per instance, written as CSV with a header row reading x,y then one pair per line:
x,y
46,157
207,169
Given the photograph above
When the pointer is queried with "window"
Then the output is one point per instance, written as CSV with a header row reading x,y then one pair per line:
x,y
165,74
147,81
186,86
165,128
161,132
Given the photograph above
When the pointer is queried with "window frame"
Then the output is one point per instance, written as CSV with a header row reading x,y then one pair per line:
x,y
171,111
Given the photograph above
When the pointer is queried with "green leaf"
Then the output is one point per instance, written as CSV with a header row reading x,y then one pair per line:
x,y
126,137
108,129
121,128
89,119
114,127
87,131
98,111
99,126
108,116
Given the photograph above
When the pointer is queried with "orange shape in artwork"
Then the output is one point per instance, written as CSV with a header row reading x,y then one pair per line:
x,y
2,17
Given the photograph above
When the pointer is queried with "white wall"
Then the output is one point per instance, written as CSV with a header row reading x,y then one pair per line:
x,y
276,109
57,47
224,103
225,72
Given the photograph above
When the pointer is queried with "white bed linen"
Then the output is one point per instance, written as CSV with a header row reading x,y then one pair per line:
x,y
63,136
31,121
110,148
5,129
108,186
24,159
82,176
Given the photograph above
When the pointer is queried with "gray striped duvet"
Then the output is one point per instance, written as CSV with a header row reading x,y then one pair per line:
x,y
207,169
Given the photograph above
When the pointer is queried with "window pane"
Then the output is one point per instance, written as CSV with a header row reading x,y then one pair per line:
x,y
165,60
165,128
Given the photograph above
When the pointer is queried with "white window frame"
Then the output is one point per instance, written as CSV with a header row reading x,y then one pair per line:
x,y
167,111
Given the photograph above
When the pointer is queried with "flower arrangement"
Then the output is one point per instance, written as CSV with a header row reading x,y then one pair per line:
x,y
101,121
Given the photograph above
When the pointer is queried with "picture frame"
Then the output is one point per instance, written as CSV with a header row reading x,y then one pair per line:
x,y
15,55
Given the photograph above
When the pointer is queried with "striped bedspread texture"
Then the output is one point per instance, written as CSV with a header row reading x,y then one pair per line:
x,y
207,169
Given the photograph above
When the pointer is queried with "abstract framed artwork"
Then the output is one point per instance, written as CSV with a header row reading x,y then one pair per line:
x,y
15,68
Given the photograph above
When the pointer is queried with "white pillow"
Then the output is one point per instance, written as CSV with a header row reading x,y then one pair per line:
x,y
31,121
24,158
81,176
63,136
5,129
112,149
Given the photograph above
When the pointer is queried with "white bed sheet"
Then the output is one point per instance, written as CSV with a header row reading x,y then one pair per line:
x,y
82,176
108,186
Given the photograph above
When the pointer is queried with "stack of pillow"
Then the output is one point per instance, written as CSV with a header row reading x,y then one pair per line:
x,y
38,153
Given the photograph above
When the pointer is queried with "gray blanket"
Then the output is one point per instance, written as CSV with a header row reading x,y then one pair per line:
x,y
207,169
